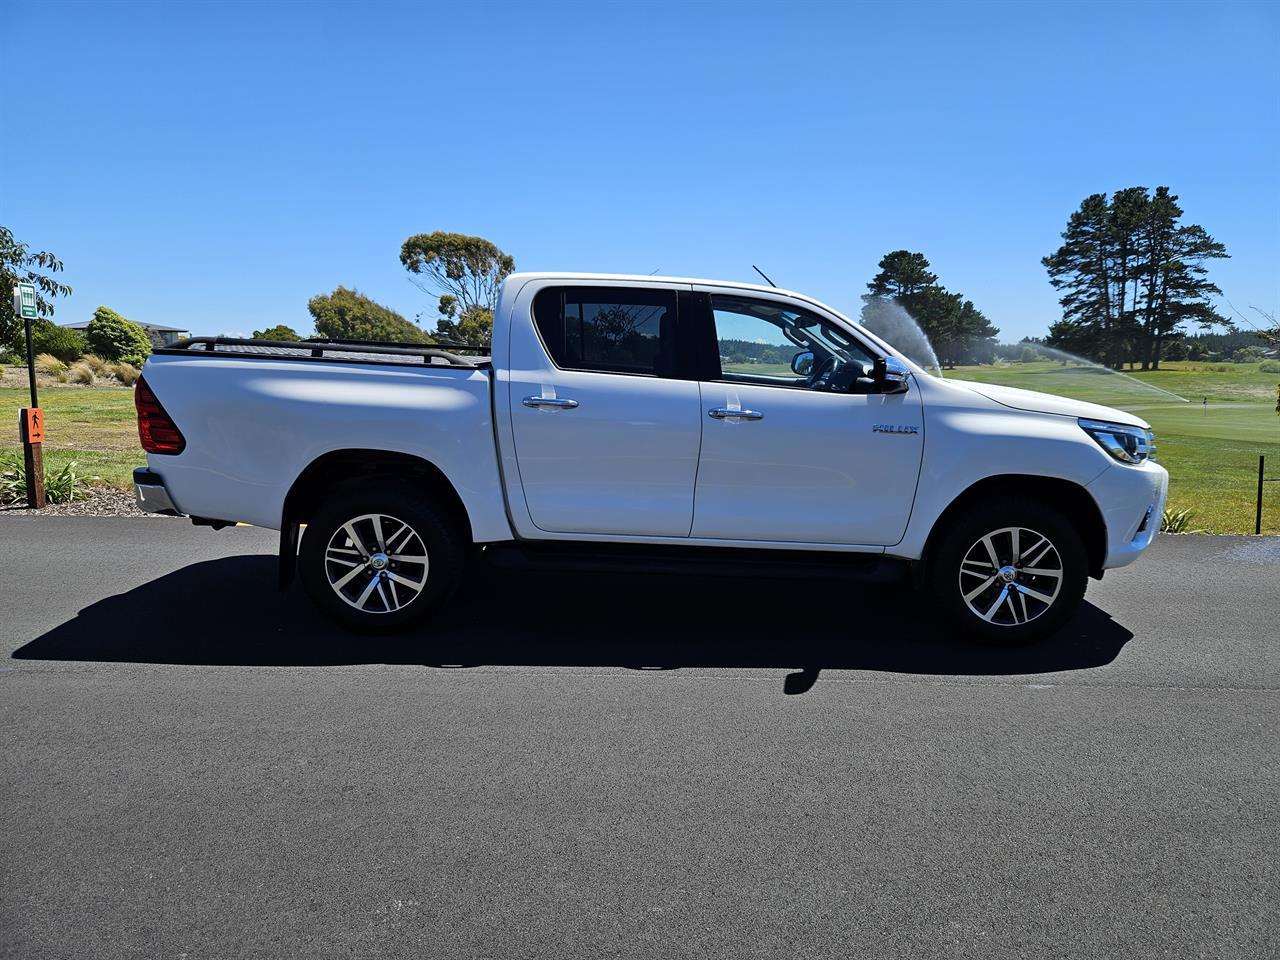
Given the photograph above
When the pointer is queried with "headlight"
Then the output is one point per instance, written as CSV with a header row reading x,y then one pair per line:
x,y
1127,444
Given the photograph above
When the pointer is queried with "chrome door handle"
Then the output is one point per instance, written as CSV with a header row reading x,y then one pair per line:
x,y
550,402
727,413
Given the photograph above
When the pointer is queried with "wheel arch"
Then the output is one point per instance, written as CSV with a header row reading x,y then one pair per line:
x,y
1069,497
343,468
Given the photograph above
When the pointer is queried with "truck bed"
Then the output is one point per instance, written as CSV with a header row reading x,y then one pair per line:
x,y
256,414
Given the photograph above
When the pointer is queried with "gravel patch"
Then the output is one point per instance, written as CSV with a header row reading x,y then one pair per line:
x,y
100,502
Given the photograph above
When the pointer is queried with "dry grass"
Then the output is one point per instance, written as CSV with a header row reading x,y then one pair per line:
x,y
81,372
48,363
100,367
126,373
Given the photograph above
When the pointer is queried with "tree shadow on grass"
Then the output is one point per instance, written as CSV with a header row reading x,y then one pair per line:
x,y
227,612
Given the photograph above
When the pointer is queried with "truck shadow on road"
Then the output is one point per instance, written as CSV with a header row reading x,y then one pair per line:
x,y
227,612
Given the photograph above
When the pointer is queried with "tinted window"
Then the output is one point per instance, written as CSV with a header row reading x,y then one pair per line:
x,y
609,329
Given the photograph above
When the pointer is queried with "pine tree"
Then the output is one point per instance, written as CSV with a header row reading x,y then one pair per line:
x,y
902,273
954,327
1130,274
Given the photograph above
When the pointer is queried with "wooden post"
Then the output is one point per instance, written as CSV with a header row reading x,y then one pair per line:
x,y
31,430
33,457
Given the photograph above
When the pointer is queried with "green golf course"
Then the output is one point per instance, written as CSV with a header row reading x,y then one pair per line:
x,y
1210,449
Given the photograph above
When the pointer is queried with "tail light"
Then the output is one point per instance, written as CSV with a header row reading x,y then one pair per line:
x,y
158,433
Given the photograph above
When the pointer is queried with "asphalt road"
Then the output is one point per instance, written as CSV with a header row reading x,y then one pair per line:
x,y
195,766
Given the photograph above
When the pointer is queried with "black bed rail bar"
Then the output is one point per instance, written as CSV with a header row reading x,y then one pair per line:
x,y
452,346
329,351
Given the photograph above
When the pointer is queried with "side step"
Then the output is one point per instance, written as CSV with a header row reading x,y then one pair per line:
x,y
698,561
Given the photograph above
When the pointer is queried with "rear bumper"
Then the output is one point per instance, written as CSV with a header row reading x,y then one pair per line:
x,y
1132,500
151,495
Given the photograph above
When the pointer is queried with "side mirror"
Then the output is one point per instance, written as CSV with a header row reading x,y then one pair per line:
x,y
891,375
802,363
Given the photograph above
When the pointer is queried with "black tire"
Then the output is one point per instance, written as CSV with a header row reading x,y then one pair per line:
x,y
1019,614
329,554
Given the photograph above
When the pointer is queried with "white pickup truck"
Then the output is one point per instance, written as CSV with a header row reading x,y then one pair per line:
x,y
643,422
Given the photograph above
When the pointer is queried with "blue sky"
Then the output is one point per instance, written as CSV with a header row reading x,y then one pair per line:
x,y
216,165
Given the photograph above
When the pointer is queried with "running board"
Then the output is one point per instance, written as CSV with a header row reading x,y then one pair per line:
x,y
577,556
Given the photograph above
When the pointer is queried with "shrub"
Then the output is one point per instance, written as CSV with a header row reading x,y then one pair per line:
x,y
112,337
61,487
1269,366
100,367
1177,521
60,342
278,332
126,373
81,372
47,363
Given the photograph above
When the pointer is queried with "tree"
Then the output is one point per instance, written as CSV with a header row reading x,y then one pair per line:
x,y
278,332
1130,275
467,272
113,337
474,325
902,274
350,315
955,329
1271,332
17,265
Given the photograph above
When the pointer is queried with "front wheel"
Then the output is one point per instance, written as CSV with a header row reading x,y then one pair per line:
x,y
1011,573
378,558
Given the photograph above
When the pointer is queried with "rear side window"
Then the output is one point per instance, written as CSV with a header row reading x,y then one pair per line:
x,y
609,329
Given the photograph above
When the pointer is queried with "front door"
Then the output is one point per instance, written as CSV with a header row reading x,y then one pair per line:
x,y
797,445
605,412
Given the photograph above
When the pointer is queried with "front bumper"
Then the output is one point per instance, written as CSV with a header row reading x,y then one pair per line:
x,y
151,495
1132,500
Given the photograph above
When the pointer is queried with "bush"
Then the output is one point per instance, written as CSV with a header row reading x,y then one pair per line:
x,y
1269,366
81,372
113,338
278,332
47,363
1177,521
126,373
60,342
61,487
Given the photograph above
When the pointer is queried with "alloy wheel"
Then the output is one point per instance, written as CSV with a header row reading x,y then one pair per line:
x,y
376,563
1011,576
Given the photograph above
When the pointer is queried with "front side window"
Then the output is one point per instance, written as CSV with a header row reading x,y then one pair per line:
x,y
609,329
775,344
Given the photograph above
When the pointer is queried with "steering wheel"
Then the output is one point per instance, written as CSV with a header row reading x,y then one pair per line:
x,y
821,375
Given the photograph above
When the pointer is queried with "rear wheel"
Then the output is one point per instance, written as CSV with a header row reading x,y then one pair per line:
x,y
1009,573
377,559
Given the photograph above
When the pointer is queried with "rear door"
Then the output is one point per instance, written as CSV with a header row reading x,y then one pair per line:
x,y
605,410
797,444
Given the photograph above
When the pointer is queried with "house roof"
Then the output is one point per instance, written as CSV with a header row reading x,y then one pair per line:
x,y
157,327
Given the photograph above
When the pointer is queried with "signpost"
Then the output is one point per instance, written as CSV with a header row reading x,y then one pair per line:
x,y
31,419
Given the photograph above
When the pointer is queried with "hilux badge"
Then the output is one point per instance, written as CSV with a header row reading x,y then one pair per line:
x,y
894,428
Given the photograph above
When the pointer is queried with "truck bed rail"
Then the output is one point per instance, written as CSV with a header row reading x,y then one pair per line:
x,y
333,351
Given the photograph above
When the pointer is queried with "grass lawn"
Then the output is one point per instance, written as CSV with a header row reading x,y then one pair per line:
x,y
94,426
1211,452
